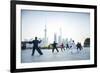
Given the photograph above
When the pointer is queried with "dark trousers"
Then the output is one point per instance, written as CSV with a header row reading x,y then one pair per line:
x,y
38,50
55,48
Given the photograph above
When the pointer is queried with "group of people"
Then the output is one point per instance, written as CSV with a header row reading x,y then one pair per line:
x,y
70,45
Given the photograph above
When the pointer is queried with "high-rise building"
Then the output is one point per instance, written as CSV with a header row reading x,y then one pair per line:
x,y
45,31
60,37
45,36
55,37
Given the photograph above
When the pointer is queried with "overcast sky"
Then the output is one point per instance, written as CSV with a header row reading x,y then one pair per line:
x,y
72,24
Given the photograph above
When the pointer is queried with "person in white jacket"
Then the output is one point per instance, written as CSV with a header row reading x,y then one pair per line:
x,y
73,47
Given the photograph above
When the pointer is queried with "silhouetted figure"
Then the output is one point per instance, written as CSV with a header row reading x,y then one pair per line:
x,y
35,43
79,46
70,43
54,45
67,46
62,47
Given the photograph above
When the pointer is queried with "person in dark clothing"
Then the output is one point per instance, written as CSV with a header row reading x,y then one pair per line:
x,y
79,46
35,43
67,46
54,45
62,47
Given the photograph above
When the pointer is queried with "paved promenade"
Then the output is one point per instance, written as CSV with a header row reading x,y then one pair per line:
x,y
48,56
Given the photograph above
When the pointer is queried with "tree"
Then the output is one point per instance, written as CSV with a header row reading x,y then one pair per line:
x,y
87,42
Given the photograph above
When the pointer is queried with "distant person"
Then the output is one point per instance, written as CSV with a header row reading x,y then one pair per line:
x,y
74,47
35,43
67,46
62,47
79,46
70,44
54,45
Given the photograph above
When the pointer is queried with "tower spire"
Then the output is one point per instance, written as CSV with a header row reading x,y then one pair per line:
x,y
45,30
45,36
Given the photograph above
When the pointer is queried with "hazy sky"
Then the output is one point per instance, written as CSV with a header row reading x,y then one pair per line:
x,y
72,24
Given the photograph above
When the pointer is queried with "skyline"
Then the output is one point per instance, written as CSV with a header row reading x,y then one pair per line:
x,y
73,25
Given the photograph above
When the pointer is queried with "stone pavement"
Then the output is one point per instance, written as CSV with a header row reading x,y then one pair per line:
x,y
48,56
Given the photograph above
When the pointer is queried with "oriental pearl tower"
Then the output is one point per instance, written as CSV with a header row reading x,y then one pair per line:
x,y
45,36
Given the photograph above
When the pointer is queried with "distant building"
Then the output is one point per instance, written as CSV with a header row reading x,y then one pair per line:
x,y
55,37
44,42
59,40
23,45
87,42
26,45
60,36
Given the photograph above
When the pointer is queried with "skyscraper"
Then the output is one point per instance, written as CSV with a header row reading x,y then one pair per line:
x,y
45,36
60,36
45,31
55,37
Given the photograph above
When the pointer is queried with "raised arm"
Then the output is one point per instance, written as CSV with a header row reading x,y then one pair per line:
x,y
39,41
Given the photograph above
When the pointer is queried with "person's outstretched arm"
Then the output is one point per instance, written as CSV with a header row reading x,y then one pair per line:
x,y
30,42
39,41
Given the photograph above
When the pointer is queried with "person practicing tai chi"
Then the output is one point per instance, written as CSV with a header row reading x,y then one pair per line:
x,y
73,48
79,46
62,47
67,46
35,46
54,45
